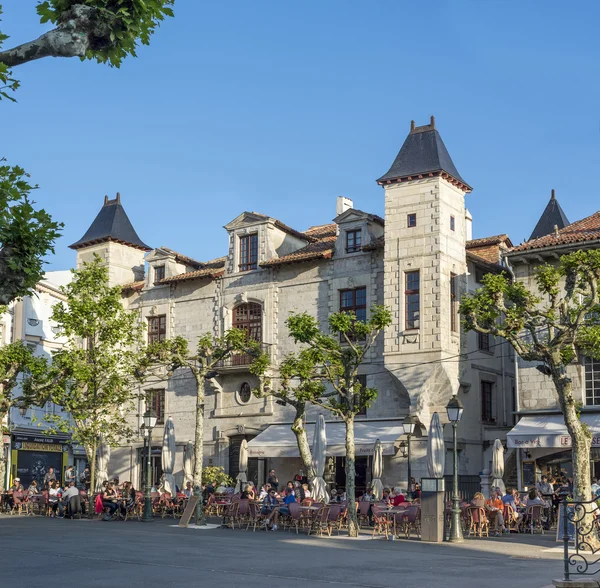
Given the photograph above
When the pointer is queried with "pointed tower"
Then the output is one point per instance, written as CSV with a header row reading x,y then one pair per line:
x,y
425,268
113,238
553,216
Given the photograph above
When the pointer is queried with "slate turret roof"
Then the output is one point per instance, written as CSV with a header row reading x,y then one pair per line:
x,y
423,153
553,216
111,224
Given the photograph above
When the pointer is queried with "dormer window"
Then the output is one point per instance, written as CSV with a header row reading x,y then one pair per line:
x,y
248,252
159,273
353,241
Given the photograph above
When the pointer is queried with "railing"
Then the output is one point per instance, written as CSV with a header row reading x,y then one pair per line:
x,y
467,487
242,359
578,527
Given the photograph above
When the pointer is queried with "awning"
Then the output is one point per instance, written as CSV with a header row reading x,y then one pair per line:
x,y
280,441
549,431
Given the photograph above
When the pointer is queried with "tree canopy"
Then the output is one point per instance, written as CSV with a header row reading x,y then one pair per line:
x,y
554,325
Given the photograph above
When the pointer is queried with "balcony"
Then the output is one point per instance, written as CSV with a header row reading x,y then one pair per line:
x,y
241,361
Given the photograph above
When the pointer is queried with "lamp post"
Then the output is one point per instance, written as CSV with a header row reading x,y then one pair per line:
x,y
455,411
149,422
144,433
409,424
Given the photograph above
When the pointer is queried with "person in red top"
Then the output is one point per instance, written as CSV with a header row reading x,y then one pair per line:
x,y
398,496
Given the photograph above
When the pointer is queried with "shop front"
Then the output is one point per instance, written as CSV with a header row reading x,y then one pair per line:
x,y
33,455
277,445
545,446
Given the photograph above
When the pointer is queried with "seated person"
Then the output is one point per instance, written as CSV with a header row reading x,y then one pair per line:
x,y
129,494
306,490
533,499
71,500
264,491
251,491
478,500
269,504
188,490
54,499
109,498
386,495
495,509
33,489
397,497
282,510
509,499
367,496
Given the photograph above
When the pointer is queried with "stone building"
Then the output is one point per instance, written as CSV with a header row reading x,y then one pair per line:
x,y
540,437
418,260
29,449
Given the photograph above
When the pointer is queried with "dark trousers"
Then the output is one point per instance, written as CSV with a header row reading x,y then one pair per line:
x,y
75,506
112,506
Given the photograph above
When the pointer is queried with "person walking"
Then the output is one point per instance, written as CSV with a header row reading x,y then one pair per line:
x,y
272,479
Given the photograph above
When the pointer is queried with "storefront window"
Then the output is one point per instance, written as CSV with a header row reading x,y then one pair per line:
x,y
592,381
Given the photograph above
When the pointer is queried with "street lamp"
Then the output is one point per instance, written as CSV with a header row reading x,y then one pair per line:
x,y
409,424
22,411
455,411
144,434
149,422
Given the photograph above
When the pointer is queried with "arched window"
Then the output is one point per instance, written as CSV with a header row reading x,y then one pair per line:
x,y
248,317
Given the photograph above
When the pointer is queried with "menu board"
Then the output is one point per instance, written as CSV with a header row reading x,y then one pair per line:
x,y
560,525
528,474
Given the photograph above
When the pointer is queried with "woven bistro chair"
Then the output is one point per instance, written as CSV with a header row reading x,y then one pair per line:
x,y
478,521
363,513
533,519
229,515
320,522
509,519
382,525
412,520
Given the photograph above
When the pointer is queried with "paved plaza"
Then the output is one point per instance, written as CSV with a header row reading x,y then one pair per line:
x,y
99,554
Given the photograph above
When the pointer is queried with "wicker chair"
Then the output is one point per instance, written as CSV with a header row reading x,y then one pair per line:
x,y
381,524
533,518
412,520
320,522
478,521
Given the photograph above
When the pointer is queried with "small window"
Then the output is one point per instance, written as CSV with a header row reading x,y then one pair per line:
x,y
479,273
411,220
155,399
412,295
483,340
452,223
592,381
245,393
487,402
159,273
354,301
248,252
353,241
453,304
157,328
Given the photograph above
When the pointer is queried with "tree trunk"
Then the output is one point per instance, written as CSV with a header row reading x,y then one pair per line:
x,y
351,477
302,440
199,449
2,473
580,456
91,454
580,438
78,29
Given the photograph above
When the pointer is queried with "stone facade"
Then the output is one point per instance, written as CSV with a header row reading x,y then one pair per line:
x,y
415,369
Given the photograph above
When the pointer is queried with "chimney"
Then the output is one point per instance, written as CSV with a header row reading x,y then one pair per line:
x,y
343,204
468,225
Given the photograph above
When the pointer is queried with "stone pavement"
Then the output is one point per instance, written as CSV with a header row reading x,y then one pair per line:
x,y
101,554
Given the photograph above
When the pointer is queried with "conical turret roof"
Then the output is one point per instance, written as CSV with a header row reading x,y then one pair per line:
x,y
111,224
553,216
423,153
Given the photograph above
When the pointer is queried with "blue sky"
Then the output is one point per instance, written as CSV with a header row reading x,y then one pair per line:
x,y
279,107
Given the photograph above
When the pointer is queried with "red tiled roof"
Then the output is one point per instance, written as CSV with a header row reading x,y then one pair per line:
x,y
321,231
322,249
485,241
490,265
210,269
134,286
587,229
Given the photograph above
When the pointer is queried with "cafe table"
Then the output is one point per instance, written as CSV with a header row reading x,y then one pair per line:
x,y
392,511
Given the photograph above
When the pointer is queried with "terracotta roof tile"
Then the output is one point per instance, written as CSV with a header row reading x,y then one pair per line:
x,y
484,241
133,286
322,249
321,231
210,269
587,229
